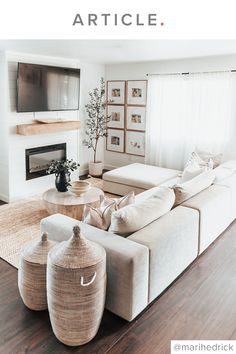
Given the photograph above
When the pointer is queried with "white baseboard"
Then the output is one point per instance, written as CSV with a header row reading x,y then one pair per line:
x,y
83,171
4,198
110,167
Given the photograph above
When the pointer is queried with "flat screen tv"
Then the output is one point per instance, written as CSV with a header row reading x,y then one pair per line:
x,y
47,88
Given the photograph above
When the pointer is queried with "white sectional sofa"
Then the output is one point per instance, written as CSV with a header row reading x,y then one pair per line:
x,y
141,266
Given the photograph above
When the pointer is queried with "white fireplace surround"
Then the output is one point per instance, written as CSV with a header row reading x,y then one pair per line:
x,y
13,183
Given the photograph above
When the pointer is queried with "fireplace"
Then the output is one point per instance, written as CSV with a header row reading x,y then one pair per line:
x,y
38,159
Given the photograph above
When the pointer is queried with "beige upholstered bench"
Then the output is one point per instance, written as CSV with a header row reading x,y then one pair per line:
x,y
136,177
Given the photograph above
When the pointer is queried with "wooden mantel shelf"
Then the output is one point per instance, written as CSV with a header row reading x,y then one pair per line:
x,y
43,128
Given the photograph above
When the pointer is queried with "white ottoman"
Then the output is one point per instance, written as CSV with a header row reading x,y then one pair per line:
x,y
136,177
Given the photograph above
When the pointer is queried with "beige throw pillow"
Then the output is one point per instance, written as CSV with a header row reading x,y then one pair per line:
x,y
206,156
135,216
186,190
99,217
196,160
195,166
119,202
191,171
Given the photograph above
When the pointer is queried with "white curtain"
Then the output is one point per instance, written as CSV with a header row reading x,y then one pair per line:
x,y
185,112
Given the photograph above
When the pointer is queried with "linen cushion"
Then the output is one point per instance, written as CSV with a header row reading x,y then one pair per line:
x,y
191,171
195,166
119,202
125,200
206,156
135,216
99,217
186,190
196,161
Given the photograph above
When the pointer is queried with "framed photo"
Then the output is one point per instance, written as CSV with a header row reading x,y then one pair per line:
x,y
116,92
117,116
115,140
136,92
135,143
136,118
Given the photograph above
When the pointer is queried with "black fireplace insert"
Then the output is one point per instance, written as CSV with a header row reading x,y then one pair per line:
x,y
38,159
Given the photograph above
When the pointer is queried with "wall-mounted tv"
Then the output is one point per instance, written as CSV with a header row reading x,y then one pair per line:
x,y
47,88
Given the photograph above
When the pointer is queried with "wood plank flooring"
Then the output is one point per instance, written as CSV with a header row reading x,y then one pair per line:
x,y
199,305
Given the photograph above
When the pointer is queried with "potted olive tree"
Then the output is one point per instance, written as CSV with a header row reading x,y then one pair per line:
x,y
96,126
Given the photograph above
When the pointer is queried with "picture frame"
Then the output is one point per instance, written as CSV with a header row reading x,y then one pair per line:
x,y
137,92
136,118
117,116
135,143
115,140
116,92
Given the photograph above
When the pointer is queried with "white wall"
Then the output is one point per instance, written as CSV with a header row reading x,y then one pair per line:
x,y
4,165
18,186
138,71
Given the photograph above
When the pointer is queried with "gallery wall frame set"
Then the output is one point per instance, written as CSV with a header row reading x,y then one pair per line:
x,y
126,107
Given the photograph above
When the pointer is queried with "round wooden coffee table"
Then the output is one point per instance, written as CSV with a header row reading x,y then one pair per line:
x,y
69,204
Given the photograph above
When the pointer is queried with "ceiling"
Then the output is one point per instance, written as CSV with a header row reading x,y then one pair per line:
x,y
121,51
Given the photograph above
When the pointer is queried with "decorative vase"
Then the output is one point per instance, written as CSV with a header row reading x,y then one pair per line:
x,y
62,181
95,168
32,273
76,288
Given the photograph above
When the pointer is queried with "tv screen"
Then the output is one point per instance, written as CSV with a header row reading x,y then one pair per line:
x,y
47,88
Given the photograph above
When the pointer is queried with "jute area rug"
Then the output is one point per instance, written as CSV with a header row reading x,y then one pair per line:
x,y
19,224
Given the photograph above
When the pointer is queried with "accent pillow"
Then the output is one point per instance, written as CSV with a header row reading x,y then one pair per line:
x,y
99,217
135,216
186,190
206,156
190,173
196,160
119,202
195,166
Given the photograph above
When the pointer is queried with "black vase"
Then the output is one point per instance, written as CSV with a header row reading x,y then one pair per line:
x,y
62,181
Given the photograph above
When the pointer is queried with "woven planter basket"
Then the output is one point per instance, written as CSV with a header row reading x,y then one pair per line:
x,y
32,273
76,289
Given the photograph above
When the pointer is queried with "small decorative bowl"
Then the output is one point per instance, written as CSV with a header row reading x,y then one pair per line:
x,y
79,187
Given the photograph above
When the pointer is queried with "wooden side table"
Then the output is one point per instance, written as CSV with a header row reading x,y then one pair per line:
x,y
69,204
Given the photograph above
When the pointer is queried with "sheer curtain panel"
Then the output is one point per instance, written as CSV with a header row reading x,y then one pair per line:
x,y
185,112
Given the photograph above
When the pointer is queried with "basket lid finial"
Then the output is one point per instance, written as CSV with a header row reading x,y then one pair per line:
x,y
44,236
76,231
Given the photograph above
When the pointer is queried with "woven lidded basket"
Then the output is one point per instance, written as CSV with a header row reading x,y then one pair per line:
x,y
76,288
32,273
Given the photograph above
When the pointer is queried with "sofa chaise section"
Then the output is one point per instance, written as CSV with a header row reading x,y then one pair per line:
x,y
127,264
136,177
172,241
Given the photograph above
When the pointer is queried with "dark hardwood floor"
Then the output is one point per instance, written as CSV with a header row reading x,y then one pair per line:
x,y
199,305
